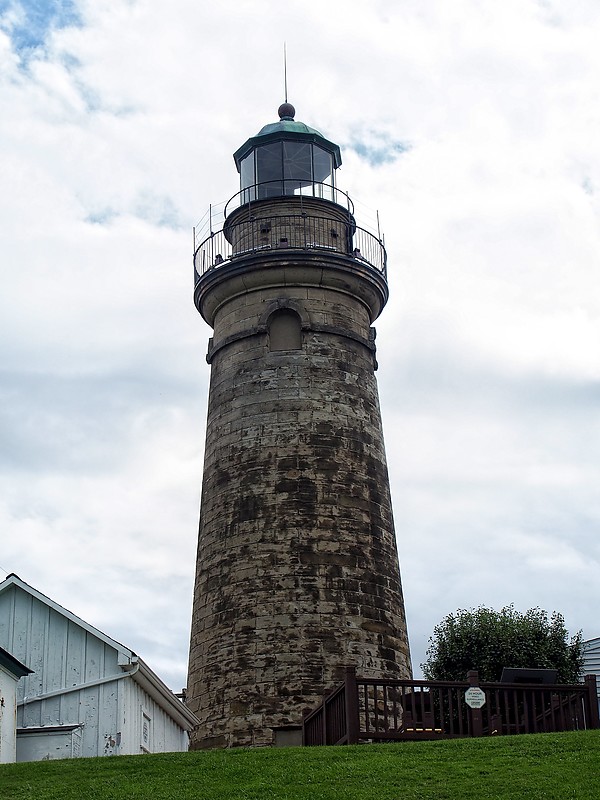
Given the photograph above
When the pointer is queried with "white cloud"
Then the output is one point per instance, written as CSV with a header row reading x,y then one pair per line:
x,y
117,134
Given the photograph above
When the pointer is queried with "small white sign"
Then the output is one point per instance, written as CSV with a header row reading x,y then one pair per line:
x,y
475,697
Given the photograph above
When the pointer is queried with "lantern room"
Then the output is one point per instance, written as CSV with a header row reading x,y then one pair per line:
x,y
287,158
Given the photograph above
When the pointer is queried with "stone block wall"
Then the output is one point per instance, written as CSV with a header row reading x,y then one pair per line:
x,y
297,572
295,222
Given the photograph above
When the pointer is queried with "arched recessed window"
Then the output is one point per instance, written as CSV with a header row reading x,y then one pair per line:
x,y
284,331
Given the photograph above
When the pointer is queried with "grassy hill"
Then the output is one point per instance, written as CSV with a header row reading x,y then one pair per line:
x,y
543,767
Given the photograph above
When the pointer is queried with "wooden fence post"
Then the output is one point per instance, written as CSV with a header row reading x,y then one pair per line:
x,y
475,715
351,700
590,682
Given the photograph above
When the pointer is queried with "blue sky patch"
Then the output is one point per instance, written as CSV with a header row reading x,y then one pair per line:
x,y
101,217
29,22
587,186
378,148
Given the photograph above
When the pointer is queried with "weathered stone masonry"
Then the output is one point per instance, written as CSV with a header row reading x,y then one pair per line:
x,y
297,572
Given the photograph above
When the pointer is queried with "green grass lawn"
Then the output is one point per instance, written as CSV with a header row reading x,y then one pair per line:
x,y
549,766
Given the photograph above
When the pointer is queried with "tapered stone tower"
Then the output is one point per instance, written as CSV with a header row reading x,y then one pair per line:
x,y
297,573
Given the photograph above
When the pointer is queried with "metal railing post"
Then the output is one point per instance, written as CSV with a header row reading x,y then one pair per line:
x,y
194,257
304,731
592,697
351,700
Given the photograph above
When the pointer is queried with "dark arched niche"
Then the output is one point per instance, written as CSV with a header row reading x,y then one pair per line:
x,y
285,331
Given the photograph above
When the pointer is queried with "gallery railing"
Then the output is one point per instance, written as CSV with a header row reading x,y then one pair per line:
x,y
294,232
256,226
366,709
268,190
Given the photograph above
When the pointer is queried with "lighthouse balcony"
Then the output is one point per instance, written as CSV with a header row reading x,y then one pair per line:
x,y
289,187
291,221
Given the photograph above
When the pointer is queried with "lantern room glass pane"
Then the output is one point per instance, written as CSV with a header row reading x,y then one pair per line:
x,y
297,163
269,170
287,167
247,178
323,162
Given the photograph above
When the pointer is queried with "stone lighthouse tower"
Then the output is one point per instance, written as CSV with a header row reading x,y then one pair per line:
x,y
297,573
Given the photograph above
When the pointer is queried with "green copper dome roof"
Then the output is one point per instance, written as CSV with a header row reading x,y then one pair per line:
x,y
286,123
287,128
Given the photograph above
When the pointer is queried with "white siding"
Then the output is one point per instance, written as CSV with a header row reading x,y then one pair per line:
x,y
62,655
166,736
38,745
8,697
591,660
83,691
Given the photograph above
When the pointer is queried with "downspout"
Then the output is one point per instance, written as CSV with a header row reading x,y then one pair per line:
x,y
68,690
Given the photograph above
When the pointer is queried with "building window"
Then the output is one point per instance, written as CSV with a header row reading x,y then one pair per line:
x,y
146,743
285,331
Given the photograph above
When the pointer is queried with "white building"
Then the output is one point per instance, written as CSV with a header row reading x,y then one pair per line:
x,y
591,660
88,695
11,670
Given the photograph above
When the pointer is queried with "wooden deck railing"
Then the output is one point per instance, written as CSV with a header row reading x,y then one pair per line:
x,y
368,709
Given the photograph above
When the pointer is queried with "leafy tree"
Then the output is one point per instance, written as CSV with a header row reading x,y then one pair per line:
x,y
488,640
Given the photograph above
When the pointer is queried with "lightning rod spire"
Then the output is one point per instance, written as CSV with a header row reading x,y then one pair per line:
x,y
285,71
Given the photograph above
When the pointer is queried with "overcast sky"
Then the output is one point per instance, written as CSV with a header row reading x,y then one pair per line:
x,y
473,126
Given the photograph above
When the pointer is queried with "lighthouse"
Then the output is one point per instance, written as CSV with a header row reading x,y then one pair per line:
x,y
297,571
